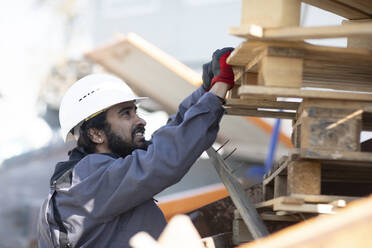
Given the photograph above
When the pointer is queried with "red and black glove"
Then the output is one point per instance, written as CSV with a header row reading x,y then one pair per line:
x,y
217,70
222,72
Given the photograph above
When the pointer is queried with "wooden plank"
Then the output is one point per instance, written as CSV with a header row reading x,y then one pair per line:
x,y
304,177
350,227
274,217
298,199
268,203
323,198
247,90
277,13
260,113
337,7
306,208
261,103
363,5
362,158
336,104
306,204
238,196
359,42
295,33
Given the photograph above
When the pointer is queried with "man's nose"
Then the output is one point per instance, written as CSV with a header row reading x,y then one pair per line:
x,y
140,121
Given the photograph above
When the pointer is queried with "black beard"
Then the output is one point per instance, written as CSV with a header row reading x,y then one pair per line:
x,y
121,147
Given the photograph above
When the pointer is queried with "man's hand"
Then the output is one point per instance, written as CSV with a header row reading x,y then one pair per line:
x,y
222,72
218,70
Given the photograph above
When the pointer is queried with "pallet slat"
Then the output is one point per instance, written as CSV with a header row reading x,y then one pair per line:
x,y
351,9
296,33
362,158
261,103
321,204
248,90
260,113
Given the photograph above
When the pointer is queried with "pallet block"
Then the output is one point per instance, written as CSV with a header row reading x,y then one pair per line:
x,y
328,133
303,177
293,177
280,72
328,125
278,13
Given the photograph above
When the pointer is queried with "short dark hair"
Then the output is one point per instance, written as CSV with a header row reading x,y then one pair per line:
x,y
97,122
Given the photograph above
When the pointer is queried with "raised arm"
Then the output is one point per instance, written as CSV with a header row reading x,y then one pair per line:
x,y
117,185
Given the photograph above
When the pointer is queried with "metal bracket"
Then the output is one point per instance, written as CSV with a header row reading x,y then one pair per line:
x,y
246,209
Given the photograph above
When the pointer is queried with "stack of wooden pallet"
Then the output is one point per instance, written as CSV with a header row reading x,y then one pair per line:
x,y
326,91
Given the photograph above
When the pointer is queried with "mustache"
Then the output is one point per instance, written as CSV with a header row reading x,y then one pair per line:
x,y
139,128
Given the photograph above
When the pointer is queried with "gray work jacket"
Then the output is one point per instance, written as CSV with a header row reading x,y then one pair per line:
x,y
103,200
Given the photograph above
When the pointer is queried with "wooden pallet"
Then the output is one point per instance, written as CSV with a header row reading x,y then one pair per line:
x,y
296,64
307,171
299,184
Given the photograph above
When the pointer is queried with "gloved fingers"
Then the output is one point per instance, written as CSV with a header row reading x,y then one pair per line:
x,y
219,52
207,75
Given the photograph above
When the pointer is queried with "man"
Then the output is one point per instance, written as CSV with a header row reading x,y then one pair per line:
x,y
103,194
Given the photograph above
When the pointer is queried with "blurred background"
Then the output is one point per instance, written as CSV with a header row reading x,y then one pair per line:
x,y
42,50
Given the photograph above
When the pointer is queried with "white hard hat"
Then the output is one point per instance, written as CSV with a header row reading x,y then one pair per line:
x,y
89,95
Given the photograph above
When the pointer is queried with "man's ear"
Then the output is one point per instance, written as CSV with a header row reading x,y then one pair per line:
x,y
96,136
